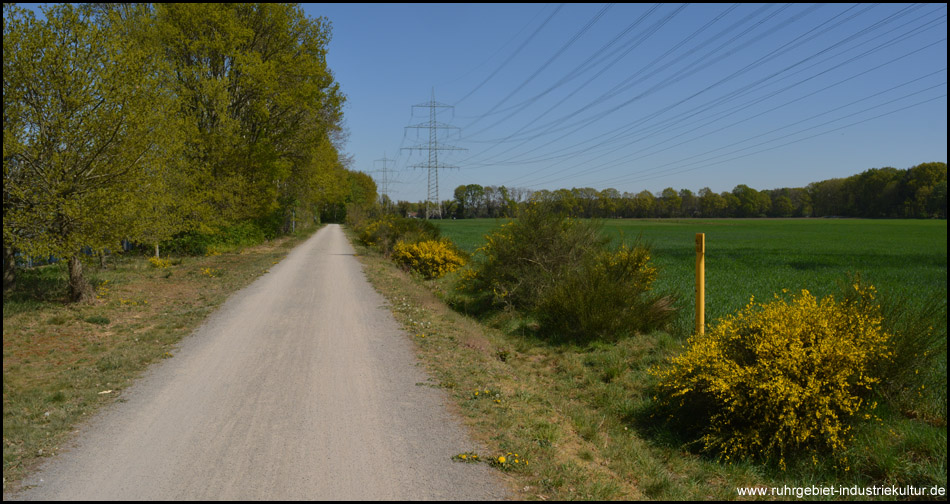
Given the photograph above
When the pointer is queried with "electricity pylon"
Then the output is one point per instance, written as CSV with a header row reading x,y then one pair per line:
x,y
433,205
384,179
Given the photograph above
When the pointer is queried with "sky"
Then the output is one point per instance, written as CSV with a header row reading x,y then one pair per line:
x,y
638,96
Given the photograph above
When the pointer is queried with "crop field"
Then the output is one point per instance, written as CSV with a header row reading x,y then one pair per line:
x,y
904,259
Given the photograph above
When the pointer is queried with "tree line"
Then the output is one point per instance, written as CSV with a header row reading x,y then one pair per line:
x,y
142,122
919,192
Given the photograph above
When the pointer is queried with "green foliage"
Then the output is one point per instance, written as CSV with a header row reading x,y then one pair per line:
x,y
561,272
190,243
917,192
780,379
383,233
169,122
258,97
240,234
527,256
430,258
608,295
86,133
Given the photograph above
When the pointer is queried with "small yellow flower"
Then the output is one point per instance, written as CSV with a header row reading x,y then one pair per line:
x,y
501,460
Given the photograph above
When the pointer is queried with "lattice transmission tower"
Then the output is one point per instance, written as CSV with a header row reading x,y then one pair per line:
x,y
433,205
384,179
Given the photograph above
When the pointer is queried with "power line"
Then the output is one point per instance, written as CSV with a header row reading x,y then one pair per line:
x,y
692,114
547,63
515,53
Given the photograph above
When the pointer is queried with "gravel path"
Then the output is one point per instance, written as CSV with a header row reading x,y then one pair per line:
x,y
301,386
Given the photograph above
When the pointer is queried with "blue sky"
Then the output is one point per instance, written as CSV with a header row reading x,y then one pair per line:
x,y
641,96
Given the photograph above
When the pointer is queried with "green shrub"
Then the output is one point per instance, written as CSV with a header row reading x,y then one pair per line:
x,y
561,272
383,233
430,258
241,234
190,243
607,296
237,235
780,379
531,254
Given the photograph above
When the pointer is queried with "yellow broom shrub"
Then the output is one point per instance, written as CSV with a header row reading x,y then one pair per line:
x,y
780,378
430,258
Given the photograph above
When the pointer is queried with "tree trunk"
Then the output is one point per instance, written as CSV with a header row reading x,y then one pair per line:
x,y
79,288
9,268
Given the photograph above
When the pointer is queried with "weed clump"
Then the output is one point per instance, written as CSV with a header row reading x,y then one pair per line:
x,y
156,262
779,379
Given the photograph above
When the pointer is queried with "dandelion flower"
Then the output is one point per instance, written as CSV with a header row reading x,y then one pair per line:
x,y
501,460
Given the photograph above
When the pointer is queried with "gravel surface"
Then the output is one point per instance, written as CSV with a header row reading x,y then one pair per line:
x,y
301,386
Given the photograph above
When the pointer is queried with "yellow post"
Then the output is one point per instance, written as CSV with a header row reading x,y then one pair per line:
x,y
700,282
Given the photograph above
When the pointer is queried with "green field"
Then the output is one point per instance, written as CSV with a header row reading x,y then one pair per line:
x,y
904,259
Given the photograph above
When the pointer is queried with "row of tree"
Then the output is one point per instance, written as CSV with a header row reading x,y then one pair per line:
x,y
144,121
916,192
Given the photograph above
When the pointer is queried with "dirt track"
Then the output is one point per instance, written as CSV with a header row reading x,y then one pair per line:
x,y
302,386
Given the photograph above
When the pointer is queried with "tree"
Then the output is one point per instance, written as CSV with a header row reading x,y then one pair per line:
x,y
471,200
86,136
923,194
711,204
645,204
752,203
689,204
564,201
609,202
261,103
731,204
828,197
588,201
670,201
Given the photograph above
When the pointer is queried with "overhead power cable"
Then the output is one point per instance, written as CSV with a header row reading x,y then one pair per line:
x,y
547,63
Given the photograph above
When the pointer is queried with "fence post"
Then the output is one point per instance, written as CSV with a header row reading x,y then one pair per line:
x,y
700,283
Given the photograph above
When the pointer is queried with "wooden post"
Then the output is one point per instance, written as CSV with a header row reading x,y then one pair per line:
x,y
700,282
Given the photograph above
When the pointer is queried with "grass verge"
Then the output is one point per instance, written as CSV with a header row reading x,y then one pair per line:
x,y
62,362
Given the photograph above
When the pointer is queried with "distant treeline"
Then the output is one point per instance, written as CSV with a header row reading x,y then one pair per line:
x,y
919,192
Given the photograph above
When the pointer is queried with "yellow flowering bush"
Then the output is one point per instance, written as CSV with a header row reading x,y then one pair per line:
x,y
159,263
431,258
780,378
